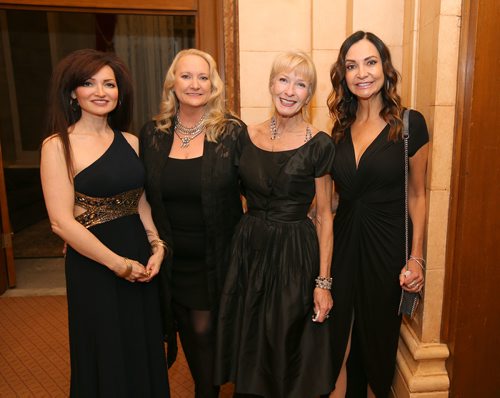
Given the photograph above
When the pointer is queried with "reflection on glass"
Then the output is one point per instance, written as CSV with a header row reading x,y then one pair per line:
x,y
33,42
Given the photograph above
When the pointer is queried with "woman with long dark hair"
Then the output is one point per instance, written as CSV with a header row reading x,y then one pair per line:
x,y
92,181
369,266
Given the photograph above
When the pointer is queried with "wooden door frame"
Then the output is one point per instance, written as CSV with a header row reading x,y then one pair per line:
x,y
8,271
467,302
462,118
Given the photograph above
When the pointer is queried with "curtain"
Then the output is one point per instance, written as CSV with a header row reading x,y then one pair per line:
x,y
69,32
147,45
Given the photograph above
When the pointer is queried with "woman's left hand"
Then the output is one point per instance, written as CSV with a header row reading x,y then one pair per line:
x,y
323,303
411,277
154,264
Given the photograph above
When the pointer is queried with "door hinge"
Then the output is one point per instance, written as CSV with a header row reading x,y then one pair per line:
x,y
7,240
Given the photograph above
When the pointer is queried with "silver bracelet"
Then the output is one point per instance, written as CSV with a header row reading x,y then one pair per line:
x,y
420,261
324,282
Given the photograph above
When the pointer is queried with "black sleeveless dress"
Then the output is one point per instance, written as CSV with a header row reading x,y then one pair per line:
x,y
115,331
181,194
267,343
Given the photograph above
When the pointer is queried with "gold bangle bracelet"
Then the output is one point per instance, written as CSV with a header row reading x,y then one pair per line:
x,y
128,271
152,234
158,242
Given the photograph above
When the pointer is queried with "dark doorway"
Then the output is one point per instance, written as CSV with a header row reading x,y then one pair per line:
x,y
32,44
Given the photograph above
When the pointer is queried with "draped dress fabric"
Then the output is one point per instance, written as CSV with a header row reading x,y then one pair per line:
x,y
115,331
267,343
369,253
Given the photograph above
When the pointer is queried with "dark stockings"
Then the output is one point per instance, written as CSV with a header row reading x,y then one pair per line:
x,y
196,331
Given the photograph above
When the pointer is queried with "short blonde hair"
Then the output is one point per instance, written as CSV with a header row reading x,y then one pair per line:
x,y
299,62
215,109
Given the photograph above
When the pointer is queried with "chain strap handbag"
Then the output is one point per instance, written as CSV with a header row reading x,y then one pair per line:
x,y
409,300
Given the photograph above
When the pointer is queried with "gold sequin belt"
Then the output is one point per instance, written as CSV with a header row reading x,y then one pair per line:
x,y
101,210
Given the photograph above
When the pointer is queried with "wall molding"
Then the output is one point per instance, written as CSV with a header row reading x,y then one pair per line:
x,y
421,367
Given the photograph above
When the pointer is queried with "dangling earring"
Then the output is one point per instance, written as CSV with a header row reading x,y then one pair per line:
x,y
387,86
73,102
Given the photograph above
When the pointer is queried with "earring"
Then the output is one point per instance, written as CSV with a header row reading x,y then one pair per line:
x,y
73,102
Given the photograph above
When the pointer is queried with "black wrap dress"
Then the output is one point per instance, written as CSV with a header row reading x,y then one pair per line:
x,y
368,255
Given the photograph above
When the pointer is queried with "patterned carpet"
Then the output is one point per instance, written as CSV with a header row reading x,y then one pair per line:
x,y
37,241
34,354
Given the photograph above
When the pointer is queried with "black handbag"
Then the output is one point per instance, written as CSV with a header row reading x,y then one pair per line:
x,y
409,300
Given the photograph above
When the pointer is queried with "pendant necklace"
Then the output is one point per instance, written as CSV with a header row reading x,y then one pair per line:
x,y
275,134
188,134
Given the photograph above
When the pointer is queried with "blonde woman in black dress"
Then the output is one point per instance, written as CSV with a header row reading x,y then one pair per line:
x,y
273,337
193,187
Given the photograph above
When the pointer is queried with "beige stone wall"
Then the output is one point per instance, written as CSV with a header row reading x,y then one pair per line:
x,y
317,27
423,36
431,59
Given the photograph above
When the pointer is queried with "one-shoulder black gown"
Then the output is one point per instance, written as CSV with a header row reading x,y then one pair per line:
x,y
115,331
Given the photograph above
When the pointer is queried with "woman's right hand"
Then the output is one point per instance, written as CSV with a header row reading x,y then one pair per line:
x,y
131,270
323,303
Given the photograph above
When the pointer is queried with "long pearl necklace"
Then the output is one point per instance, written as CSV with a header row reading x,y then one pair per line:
x,y
275,134
188,134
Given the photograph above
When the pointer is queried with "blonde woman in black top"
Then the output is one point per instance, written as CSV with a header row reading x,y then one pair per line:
x,y
192,185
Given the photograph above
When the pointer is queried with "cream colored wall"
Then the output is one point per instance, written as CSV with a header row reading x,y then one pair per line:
x,y
317,27
423,36
432,30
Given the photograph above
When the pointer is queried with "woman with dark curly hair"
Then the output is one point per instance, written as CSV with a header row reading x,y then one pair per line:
x,y
369,266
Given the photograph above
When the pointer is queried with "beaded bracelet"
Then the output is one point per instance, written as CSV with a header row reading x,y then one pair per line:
x,y
324,282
